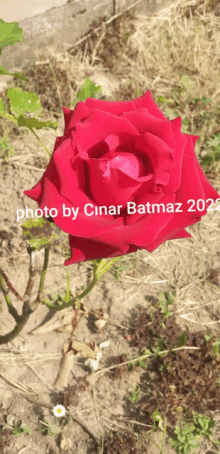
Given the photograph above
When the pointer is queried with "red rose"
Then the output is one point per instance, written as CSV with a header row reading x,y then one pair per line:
x,y
126,156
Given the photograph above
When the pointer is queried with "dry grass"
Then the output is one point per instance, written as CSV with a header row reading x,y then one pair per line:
x,y
181,40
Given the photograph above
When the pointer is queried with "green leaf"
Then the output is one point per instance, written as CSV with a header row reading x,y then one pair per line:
x,y
182,340
104,266
5,71
216,346
3,112
55,296
161,296
142,363
215,142
211,423
87,90
26,429
205,100
10,33
41,233
22,102
35,123
162,99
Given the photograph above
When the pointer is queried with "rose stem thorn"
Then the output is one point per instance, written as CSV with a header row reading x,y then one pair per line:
x,y
43,274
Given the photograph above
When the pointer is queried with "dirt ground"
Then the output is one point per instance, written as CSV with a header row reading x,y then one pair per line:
x,y
30,363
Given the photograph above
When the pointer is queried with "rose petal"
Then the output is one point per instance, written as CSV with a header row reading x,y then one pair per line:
x,y
163,236
72,117
112,142
83,249
100,125
160,156
114,107
82,225
147,101
180,234
142,232
208,188
143,121
190,189
145,195
117,187
178,150
210,192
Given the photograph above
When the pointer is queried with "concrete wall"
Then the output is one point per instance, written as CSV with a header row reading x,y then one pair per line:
x,y
11,12
60,23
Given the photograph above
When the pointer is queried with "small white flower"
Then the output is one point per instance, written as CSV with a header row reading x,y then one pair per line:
x,y
59,411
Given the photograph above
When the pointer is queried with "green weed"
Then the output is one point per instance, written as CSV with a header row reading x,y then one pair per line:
x,y
47,429
140,362
199,116
134,395
187,436
213,145
125,264
18,428
6,150
165,299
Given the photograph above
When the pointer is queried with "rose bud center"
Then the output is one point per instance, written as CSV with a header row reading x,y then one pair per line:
x,y
127,163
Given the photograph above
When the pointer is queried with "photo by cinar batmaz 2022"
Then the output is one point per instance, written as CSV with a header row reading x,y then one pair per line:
x,y
110,236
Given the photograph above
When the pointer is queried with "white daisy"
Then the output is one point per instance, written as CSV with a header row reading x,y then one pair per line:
x,y
59,411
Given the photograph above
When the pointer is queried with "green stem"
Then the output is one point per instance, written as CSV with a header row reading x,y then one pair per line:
x,y
11,308
39,140
102,267
16,331
98,270
154,443
164,433
82,295
27,310
43,273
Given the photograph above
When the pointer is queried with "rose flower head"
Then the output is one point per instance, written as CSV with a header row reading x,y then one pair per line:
x,y
122,177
